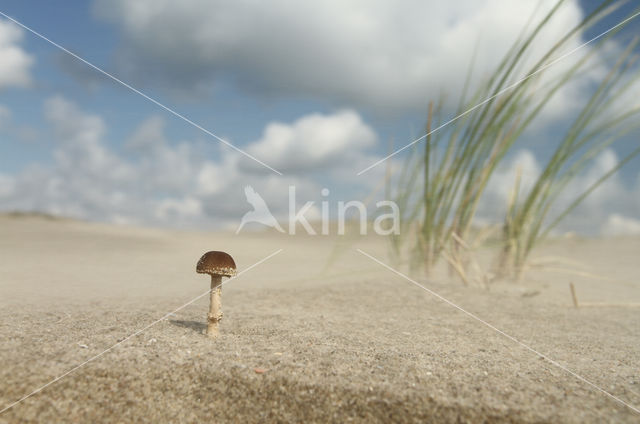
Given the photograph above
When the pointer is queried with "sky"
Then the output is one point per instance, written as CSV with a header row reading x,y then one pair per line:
x,y
315,90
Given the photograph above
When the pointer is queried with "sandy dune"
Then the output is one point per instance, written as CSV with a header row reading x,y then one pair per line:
x,y
334,336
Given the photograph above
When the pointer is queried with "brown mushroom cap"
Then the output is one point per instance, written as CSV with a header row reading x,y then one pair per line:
x,y
216,263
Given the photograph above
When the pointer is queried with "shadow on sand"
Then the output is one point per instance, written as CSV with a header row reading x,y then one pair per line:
x,y
193,325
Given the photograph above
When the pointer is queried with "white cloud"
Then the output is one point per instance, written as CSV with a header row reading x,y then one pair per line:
x,y
618,225
7,185
378,54
313,142
159,182
80,144
15,63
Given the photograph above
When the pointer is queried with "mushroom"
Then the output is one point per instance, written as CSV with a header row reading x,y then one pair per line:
x,y
218,265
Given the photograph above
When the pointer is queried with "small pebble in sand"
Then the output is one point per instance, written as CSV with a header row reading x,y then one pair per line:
x,y
84,346
260,370
278,353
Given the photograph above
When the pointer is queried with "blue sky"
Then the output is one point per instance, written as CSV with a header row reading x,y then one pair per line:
x,y
260,77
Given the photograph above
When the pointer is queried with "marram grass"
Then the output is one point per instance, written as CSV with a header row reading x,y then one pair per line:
x,y
443,181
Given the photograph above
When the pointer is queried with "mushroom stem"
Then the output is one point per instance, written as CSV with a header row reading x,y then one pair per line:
x,y
215,307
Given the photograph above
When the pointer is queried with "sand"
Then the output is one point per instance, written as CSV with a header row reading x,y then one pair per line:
x,y
318,333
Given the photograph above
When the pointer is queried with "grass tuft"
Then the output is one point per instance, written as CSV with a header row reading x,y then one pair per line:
x,y
442,183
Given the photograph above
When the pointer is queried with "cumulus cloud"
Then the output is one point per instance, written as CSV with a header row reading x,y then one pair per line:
x,y
381,54
157,181
15,63
313,142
